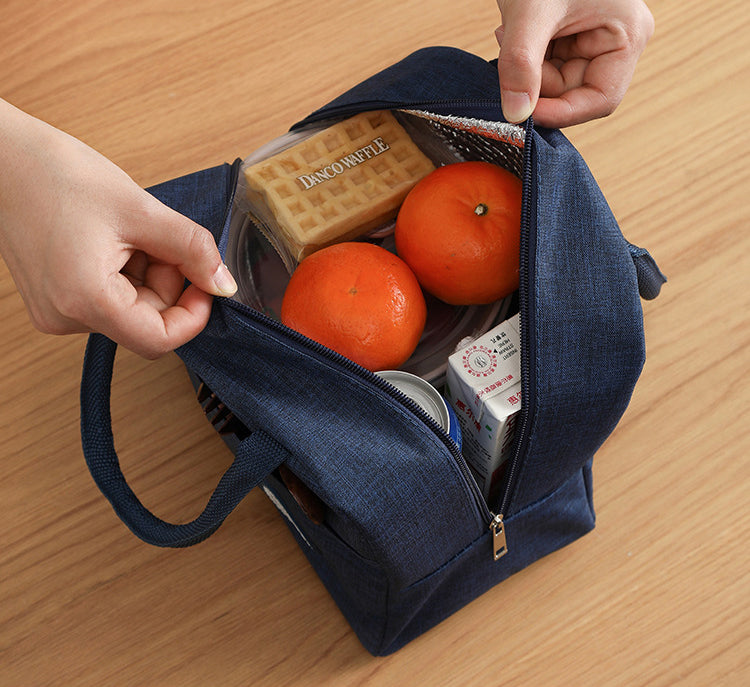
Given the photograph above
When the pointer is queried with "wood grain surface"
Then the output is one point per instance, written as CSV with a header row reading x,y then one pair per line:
x,y
657,594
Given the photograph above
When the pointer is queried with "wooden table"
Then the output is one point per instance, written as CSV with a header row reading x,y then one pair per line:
x,y
658,594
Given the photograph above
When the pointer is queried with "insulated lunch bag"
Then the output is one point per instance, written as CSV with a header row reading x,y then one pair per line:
x,y
376,493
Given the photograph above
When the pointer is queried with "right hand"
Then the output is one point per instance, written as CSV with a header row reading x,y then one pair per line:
x,y
567,62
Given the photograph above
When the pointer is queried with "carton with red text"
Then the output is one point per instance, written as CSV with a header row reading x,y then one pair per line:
x,y
483,385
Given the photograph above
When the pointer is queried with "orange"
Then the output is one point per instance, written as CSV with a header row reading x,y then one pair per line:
x,y
459,231
360,300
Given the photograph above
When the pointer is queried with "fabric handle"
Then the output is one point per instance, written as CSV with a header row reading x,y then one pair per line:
x,y
255,458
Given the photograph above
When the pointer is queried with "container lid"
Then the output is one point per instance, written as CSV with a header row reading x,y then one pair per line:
x,y
421,392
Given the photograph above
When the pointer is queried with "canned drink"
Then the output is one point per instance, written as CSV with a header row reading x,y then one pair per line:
x,y
428,398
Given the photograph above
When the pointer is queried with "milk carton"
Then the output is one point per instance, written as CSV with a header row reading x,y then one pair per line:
x,y
483,385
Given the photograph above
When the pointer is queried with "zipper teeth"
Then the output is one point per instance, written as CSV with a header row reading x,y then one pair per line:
x,y
524,324
444,438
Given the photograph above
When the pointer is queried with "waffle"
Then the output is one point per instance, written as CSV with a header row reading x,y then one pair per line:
x,y
339,183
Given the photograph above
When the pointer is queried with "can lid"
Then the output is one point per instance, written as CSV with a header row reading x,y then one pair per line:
x,y
421,392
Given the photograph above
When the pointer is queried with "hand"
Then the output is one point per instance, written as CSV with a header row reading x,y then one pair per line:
x,y
90,250
568,61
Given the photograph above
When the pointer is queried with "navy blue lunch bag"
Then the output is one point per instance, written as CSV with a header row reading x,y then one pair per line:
x,y
379,496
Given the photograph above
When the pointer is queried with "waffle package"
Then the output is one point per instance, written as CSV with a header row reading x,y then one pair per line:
x,y
335,185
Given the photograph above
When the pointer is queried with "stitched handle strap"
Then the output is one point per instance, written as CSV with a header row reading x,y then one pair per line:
x,y
256,457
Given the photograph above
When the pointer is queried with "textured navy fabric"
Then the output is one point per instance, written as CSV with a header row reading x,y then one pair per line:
x,y
386,615
405,542
374,463
435,76
585,320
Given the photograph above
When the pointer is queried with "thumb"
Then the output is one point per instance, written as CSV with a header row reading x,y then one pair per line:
x,y
176,240
523,39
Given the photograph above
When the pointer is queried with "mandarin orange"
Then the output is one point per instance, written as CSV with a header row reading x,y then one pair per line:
x,y
459,231
360,300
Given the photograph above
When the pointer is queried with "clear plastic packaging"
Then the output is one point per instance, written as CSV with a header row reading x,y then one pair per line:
x,y
397,148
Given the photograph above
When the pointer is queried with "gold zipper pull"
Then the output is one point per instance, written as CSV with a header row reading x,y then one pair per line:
x,y
499,546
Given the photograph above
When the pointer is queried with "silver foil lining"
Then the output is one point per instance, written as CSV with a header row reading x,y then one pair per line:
x,y
504,132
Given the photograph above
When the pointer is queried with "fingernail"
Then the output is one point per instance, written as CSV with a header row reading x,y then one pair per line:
x,y
516,106
224,281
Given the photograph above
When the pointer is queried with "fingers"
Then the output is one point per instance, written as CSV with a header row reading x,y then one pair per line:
x,y
136,318
583,90
523,43
181,242
144,306
579,57
156,313
90,250
571,108
149,316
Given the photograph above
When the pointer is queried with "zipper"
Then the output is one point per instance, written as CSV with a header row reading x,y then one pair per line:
x,y
526,320
488,109
499,543
353,368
